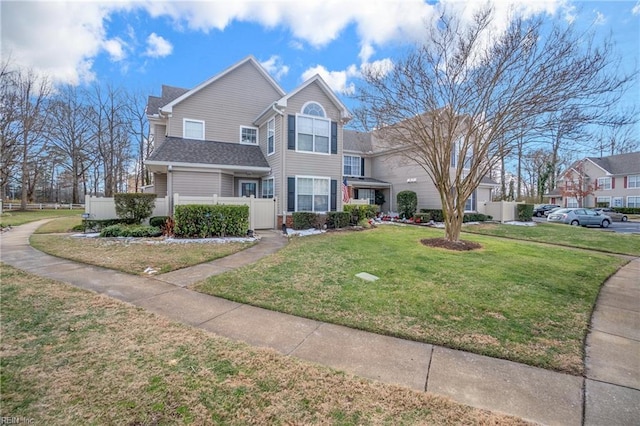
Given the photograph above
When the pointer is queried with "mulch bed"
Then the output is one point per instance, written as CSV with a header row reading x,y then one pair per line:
x,y
460,245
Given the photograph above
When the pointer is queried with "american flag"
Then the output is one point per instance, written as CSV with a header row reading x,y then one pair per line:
x,y
345,191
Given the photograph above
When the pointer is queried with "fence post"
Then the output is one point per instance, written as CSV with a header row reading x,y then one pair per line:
x,y
215,199
252,210
176,200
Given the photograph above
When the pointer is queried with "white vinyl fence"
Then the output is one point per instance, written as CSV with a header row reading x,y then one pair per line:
x,y
262,211
502,211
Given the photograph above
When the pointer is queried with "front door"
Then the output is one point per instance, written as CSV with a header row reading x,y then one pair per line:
x,y
248,188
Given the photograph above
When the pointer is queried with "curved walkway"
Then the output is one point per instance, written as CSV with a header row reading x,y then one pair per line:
x,y
609,394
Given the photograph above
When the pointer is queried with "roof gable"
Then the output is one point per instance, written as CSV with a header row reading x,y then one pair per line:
x,y
344,112
620,164
168,108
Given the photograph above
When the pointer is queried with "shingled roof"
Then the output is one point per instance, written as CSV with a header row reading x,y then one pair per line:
x,y
621,164
180,150
357,141
169,93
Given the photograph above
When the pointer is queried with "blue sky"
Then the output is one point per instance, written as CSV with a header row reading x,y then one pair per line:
x,y
144,44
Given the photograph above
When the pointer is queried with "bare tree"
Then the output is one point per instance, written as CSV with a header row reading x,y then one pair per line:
x,y
576,184
456,104
138,127
70,128
31,92
9,148
616,140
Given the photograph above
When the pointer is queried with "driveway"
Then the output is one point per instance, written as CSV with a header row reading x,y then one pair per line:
x,y
629,227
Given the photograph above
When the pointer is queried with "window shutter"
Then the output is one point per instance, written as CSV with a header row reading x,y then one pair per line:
x,y
613,183
291,194
334,137
334,195
474,206
626,185
361,166
292,133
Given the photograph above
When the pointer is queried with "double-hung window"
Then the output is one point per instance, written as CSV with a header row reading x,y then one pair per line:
x,y
248,135
313,130
267,188
457,155
351,166
604,183
312,194
192,129
633,201
633,181
271,135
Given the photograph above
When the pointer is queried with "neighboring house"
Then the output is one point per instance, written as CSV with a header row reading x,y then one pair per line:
x,y
370,166
612,181
240,134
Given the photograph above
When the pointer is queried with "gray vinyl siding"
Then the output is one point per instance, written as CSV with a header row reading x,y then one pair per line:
x,y
226,185
275,159
201,184
309,164
159,131
235,99
160,184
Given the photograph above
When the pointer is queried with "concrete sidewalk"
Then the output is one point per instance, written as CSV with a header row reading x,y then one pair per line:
x,y
610,393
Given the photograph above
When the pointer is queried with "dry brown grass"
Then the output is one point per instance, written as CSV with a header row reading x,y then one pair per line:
x,y
70,356
133,255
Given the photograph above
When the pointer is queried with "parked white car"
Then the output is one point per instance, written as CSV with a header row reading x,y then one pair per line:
x,y
580,217
613,214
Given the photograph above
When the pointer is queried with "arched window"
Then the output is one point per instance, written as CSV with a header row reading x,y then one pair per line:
x,y
313,108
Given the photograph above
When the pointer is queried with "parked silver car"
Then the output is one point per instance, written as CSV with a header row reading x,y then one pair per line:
x,y
613,214
580,217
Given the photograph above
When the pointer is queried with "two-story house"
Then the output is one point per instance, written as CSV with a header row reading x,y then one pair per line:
x,y
612,181
240,134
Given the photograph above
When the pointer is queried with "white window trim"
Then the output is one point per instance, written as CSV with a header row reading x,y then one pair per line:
x,y
637,181
241,181
457,146
249,128
306,104
601,187
571,201
327,178
314,142
184,128
603,199
359,164
637,197
273,187
472,198
271,121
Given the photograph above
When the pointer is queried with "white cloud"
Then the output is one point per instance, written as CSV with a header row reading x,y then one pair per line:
x,y
115,49
600,19
275,67
636,9
158,46
337,80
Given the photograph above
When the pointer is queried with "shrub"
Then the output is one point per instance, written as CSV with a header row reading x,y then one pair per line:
x,y
336,220
475,217
525,212
158,221
134,206
434,214
136,231
306,220
628,210
407,204
203,221
98,225
361,213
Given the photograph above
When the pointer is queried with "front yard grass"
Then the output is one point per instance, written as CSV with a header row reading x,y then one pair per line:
x,y
510,299
133,256
565,235
73,357
15,218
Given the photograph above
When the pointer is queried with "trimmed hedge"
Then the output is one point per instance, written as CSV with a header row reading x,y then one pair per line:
x,y
99,225
204,221
524,212
627,210
134,206
361,213
436,215
158,221
307,220
337,220
136,231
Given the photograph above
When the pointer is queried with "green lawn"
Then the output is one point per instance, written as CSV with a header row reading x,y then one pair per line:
x,y
15,218
565,235
511,299
70,356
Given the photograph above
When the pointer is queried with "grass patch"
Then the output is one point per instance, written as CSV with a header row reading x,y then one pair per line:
x,y
133,256
60,225
72,357
509,299
564,235
15,218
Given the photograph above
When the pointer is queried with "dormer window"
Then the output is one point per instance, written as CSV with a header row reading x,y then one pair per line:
x,y
249,135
